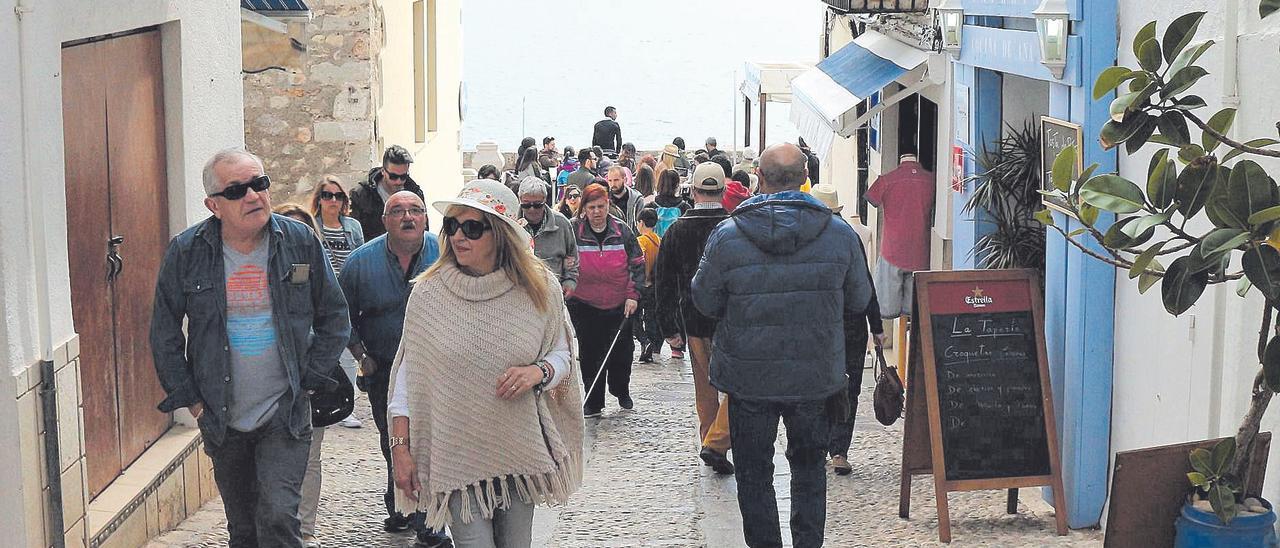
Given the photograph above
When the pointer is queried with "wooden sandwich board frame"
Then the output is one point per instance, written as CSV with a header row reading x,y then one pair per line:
x,y
922,447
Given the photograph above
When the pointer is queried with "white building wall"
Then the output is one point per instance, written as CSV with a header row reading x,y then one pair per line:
x,y
437,162
1188,378
201,58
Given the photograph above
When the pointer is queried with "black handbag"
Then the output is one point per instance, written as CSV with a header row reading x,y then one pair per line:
x,y
328,408
888,396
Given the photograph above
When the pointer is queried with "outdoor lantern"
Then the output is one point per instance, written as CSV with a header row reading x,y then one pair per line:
x,y
1051,25
951,16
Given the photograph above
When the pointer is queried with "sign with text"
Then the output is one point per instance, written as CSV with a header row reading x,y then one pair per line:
x,y
980,381
1055,136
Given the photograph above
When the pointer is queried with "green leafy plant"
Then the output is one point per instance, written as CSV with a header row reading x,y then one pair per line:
x,y
1157,234
1007,190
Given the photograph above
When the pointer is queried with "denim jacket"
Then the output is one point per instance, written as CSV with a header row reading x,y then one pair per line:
x,y
310,317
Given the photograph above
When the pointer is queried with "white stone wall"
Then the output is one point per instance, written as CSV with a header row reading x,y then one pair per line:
x,y
201,64
1188,378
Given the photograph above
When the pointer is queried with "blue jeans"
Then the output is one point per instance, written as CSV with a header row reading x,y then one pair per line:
x,y
259,475
753,428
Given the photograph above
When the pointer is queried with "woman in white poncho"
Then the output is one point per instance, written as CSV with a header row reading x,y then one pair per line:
x,y
486,404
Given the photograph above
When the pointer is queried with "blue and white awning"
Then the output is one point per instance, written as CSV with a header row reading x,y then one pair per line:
x,y
824,98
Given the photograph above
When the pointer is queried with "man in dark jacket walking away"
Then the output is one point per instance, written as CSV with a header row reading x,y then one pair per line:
x,y
370,197
683,246
785,273
607,134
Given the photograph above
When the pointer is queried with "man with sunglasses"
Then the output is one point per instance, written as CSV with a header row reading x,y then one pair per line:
x,y
266,322
553,239
376,280
585,175
369,199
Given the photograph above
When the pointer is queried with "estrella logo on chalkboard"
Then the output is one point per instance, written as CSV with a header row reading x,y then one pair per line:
x,y
977,299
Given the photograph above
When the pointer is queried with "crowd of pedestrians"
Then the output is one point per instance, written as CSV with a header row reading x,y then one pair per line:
x,y
484,350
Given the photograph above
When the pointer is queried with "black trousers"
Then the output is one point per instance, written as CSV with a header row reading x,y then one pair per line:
x,y
644,325
842,427
596,331
378,385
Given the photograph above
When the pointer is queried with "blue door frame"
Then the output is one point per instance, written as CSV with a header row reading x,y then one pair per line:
x,y
1079,290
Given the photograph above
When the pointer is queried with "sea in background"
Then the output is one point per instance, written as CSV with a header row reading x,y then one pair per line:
x,y
549,67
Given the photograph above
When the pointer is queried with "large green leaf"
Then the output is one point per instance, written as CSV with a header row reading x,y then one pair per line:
x,y
1144,259
1045,216
1149,55
1271,363
1251,190
1114,133
1256,143
1182,285
1194,185
1182,81
1136,228
1187,57
1190,153
1201,461
1141,136
1173,126
1180,32
1109,80
1220,122
1146,280
1223,452
1223,208
1223,501
1112,193
1115,238
1162,184
1063,168
1265,216
1219,241
1261,264
1088,214
1189,102
1268,7
1146,32
1197,479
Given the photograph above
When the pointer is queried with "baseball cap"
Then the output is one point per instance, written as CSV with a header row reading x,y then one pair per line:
x,y
707,176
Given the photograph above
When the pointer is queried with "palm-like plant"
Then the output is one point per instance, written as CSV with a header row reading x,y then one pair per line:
x,y
1007,191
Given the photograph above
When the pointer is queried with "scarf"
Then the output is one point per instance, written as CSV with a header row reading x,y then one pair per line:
x,y
460,333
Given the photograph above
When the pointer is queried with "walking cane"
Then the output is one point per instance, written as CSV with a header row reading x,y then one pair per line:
x,y
608,353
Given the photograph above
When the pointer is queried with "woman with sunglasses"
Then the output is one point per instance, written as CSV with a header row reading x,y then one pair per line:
x,y
610,272
340,233
568,205
484,381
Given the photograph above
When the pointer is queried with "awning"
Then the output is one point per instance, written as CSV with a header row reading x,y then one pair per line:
x,y
772,80
277,8
825,98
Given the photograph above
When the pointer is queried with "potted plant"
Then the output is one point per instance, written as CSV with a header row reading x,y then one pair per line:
x,y
1186,227
1007,193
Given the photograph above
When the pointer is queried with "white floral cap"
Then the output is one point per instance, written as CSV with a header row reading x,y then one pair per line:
x,y
490,197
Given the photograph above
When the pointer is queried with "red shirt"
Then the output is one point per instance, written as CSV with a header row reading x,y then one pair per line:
x,y
905,197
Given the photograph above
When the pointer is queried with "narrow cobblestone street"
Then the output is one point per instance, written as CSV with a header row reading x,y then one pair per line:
x,y
644,486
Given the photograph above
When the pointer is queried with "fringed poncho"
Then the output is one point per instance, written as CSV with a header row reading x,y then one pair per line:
x,y
460,333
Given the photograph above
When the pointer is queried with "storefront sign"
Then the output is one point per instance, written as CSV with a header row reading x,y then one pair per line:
x,y
1010,8
1056,136
979,403
1015,52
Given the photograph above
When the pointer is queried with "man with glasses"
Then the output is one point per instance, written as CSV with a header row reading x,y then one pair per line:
x,y
369,198
376,281
553,239
266,322
585,174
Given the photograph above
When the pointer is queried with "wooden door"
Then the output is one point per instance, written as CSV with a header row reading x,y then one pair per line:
x,y
116,187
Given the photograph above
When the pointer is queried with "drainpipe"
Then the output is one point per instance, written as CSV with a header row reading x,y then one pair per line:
x,y
40,267
1230,56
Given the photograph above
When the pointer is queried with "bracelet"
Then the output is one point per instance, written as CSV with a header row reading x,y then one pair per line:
x,y
394,441
546,373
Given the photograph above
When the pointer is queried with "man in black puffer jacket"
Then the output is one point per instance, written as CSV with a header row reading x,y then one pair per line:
x,y
781,275
677,262
368,198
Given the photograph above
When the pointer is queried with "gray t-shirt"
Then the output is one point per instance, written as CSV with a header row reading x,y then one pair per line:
x,y
258,376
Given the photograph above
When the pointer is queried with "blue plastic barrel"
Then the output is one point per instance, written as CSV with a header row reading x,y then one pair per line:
x,y
1199,529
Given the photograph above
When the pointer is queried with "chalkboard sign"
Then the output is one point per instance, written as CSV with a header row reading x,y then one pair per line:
x,y
1056,136
979,403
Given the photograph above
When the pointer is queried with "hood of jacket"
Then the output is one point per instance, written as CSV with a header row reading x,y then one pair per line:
x,y
782,223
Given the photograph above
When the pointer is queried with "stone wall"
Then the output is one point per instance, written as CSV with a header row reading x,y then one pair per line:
x,y
320,120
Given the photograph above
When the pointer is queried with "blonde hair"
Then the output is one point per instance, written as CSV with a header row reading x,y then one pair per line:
x,y
315,199
514,257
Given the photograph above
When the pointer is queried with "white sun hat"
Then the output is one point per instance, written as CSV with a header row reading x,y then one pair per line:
x,y
490,197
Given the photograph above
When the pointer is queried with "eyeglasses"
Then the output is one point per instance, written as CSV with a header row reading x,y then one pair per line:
x,y
574,196
413,211
472,229
534,205
236,191
326,195
395,176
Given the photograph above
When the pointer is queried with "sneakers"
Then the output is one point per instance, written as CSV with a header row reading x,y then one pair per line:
x,y
646,356
677,354
433,539
350,422
588,413
841,465
626,403
396,524
719,463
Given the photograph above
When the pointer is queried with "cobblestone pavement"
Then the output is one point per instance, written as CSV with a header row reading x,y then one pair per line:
x,y
644,486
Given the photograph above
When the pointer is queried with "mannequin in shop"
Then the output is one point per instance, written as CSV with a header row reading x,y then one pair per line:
x,y
904,197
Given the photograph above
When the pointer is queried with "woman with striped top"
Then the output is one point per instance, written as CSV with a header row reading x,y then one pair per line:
x,y
340,233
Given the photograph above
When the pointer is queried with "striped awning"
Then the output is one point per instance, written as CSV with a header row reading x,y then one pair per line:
x,y
825,98
277,8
